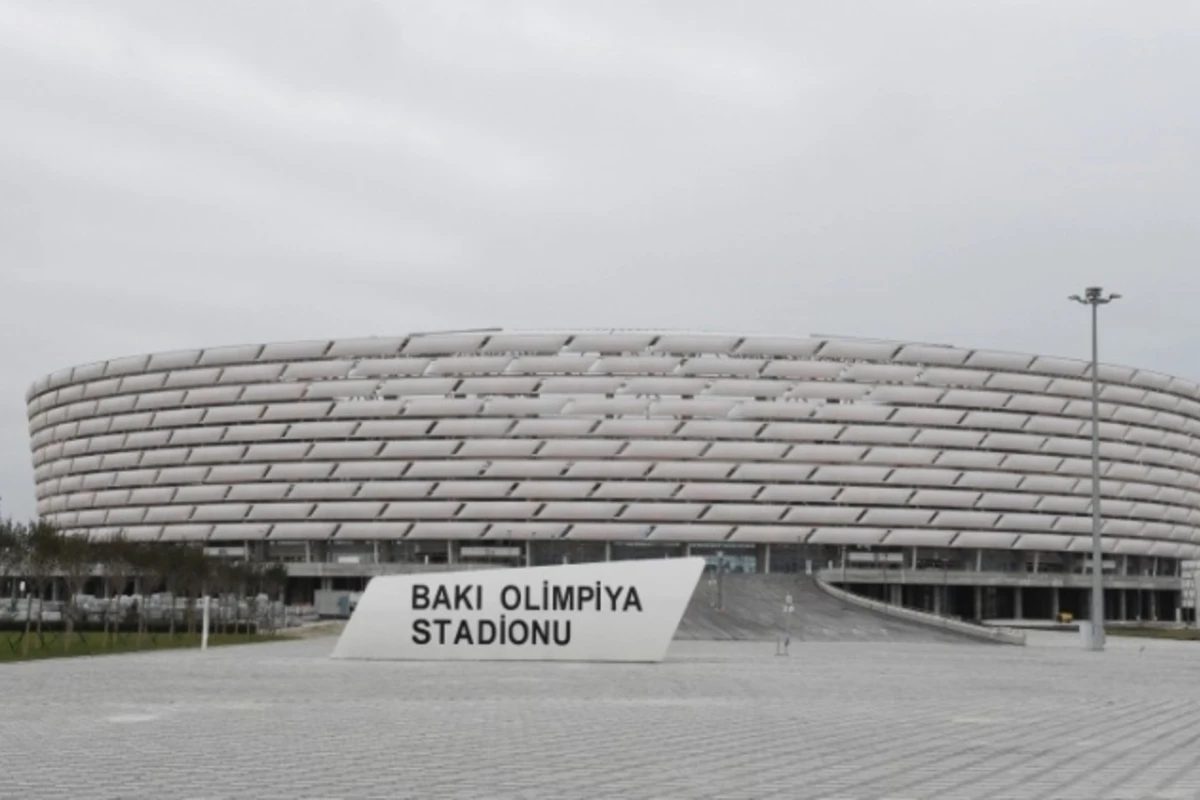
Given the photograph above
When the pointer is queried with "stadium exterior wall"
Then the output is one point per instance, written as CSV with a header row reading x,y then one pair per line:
x,y
622,437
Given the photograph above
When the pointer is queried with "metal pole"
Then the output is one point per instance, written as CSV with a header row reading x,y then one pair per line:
x,y
720,581
1094,296
1097,554
204,625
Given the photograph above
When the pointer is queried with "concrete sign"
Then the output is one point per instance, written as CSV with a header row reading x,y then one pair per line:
x,y
606,611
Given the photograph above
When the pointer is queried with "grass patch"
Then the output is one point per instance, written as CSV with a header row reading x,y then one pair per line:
x,y
1183,634
54,644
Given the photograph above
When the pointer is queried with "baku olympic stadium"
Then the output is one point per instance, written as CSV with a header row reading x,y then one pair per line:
x,y
948,479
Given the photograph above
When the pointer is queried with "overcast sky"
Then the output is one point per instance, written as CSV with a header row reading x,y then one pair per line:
x,y
180,174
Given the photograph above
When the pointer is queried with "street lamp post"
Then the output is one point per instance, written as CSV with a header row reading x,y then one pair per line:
x,y
1094,296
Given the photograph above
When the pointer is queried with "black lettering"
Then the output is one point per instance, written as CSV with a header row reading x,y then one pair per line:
x,y
564,598
479,598
585,595
530,604
487,631
613,593
462,598
420,597
441,626
441,599
420,631
539,629
599,595
632,600
510,598
564,638
503,631
512,631
463,636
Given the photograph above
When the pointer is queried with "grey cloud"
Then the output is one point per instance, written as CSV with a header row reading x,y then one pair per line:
x,y
187,174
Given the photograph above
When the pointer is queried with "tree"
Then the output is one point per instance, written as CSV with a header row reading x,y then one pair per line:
x,y
174,563
194,576
12,554
276,577
43,555
146,565
114,559
77,560
16,559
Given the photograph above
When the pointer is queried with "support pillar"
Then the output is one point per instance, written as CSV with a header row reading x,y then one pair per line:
x,y
979,599
896,592
939,600
1018,603
451,556
765,566
608,551
1121,599
1055,608
375,552
529,553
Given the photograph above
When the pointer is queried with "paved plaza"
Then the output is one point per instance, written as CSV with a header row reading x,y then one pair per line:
x,y
717,720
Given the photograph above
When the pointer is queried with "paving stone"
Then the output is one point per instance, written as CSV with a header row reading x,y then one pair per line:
x,y
849,720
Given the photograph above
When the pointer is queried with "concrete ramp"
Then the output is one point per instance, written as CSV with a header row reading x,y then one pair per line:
x,y
750,608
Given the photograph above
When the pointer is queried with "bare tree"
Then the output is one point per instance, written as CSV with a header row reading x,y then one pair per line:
x,y
77,560
13,555
43,559
115,561
276,577
145,566
174,567
194,577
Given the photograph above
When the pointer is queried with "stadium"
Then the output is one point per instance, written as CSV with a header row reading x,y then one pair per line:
x,y
952,480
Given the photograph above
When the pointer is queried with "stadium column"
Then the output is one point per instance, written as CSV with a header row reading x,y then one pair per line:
x,y
764,558
450,557
608,551
1018,603
1055,608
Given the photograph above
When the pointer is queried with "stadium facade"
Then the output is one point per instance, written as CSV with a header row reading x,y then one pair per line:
x,y
944,478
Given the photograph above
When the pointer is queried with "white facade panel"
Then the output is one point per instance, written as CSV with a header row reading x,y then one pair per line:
x,y
435,468
498,448
643,490
698,436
